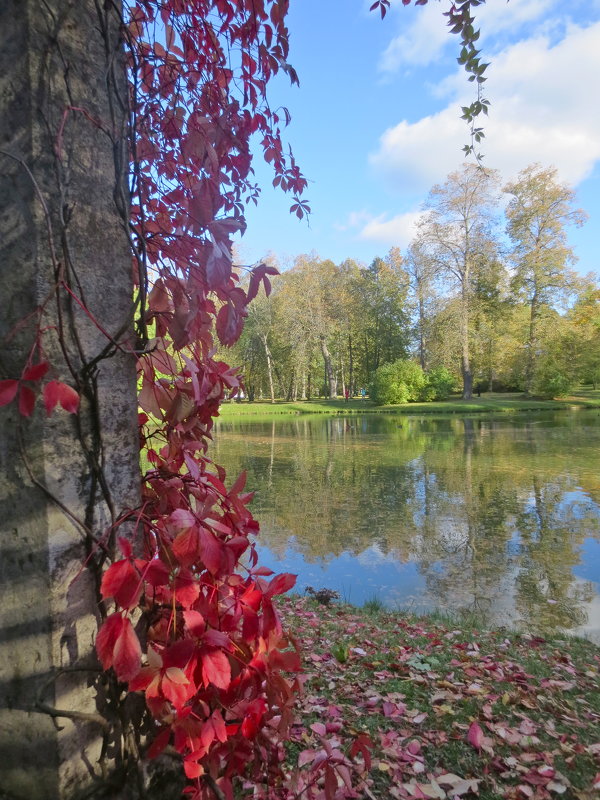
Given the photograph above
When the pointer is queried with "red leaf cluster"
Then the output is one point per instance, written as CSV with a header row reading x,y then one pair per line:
x,y
55,392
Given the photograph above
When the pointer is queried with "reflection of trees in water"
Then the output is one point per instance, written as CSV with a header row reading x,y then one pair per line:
x,y
553,525
450,495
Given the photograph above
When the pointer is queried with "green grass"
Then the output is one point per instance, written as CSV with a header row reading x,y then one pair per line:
x,y
419,683
373,605
487,403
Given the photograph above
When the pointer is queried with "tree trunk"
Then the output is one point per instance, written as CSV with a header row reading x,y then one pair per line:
x,y
467,375
330,381
350,366
422,359
269,367
63,480
531,345
491,354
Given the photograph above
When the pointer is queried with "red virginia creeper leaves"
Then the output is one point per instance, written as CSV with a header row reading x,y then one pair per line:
x,y
8,391
193,176
118,646
35,372
216,669
127,652
281,584
26,401
56,392
123,582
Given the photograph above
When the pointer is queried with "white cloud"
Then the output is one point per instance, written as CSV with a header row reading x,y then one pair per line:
x,y
424,40
355,220
496,17
420,44
544,108
397,231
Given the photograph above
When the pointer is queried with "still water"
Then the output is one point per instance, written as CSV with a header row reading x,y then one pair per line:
x,y
497,515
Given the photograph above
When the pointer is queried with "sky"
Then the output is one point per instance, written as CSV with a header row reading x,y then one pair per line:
x,y
376,119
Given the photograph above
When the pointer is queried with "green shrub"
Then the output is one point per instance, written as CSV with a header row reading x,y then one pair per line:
x,y
400,382
550,381
439,385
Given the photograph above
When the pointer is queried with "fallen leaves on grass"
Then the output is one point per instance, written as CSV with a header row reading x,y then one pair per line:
x,y
423,711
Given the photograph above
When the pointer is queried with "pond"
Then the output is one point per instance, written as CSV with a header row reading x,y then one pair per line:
x,y
498,515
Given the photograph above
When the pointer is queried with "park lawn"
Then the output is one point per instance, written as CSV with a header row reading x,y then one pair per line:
x,y
451,710
489,402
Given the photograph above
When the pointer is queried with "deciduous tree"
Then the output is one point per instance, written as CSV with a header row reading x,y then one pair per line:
x,y
539,210
457,235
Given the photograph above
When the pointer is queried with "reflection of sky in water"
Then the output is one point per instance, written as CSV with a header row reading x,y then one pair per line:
x,y
356,578
590,559
372,574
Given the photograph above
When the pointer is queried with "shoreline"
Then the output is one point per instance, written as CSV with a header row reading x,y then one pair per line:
x,y
490,404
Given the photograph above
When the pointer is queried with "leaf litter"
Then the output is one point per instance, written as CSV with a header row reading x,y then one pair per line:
x,y
425,710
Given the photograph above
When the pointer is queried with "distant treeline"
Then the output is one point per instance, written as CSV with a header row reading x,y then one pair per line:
x,y
491,298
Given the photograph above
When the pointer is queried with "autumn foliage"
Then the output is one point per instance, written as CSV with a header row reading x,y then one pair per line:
x,y
208,652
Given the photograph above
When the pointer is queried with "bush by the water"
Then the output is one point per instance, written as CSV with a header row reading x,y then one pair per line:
x,y
399,382
404,381
440,384
551,381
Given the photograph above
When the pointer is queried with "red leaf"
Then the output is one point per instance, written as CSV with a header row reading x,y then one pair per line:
x,y
68,398
127,653
107,637
176,687
57,392
8,390
194,622
50,396
211,551
219,725
281,584
261,571
270,620
250,726
239,484
157,574
216,669
186,588
159,743
192,768
35,372
158,299
260,274
26,401
363,745
229,324
331,783
126,547
215,638
122,581
475,735
186,546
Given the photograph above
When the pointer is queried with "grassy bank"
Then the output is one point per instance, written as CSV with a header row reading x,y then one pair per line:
x,y
488,403
450,711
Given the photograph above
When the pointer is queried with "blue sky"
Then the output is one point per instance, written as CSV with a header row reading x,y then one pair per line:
x,y
375,121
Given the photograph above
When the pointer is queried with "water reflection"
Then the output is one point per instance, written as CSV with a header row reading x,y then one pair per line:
x,y
485,514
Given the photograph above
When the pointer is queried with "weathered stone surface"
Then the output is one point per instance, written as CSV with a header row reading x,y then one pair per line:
x,y
52,57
